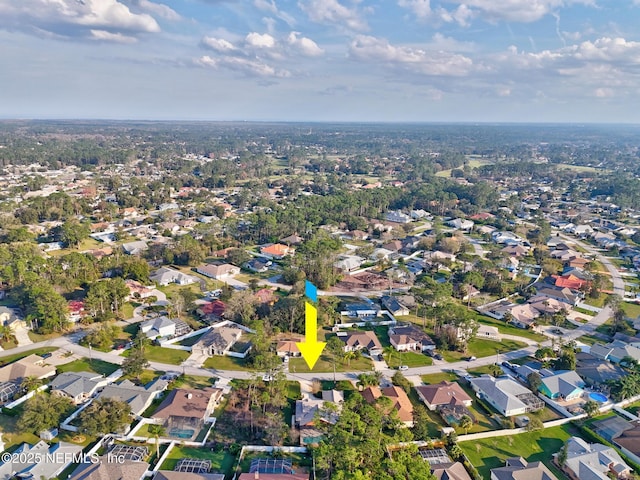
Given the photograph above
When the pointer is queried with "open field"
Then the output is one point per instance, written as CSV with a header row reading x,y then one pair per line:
x,y
483,348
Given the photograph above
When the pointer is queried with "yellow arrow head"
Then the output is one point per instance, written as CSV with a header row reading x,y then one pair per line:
x,y
311,352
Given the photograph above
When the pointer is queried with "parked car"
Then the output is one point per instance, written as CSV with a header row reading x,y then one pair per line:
x,y
46,355
267,378
437,356
471,359
403,367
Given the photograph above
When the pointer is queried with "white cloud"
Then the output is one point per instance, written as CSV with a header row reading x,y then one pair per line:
x,y
103,35
266,5
604,92
416,60
524,11
304,45
258,40
159,9
247,66
332,12
217,44
421,8
442,42
75,18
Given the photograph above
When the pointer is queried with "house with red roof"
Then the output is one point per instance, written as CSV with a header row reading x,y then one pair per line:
x,y
277,251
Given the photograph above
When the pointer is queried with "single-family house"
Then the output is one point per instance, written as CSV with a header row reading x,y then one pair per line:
x,y
629,442
258,265
596,371
29,366
219,272
218,340
106,469
164,326
361,340
399,399
565,385
506,395
39,461
450,471
135,248
288,348
137,290
78,386
410,338
443,393
461,224
348,263
593,461
310,407
518,468
562,294
615,351
165,276
276,251
393,305
397,216
138,398
523,316
185,411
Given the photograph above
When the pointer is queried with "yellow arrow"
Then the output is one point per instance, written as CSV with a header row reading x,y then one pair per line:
x,y
311,348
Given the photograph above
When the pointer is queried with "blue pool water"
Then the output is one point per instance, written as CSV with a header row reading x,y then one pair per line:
x,y
181,433
598,397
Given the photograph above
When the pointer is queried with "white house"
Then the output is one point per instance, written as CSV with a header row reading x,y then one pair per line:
x,y
219,272
506,395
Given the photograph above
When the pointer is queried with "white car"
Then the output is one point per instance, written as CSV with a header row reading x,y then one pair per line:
x,y
267,378
403,367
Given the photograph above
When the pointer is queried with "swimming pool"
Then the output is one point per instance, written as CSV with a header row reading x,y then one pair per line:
x,y
181,433
598,397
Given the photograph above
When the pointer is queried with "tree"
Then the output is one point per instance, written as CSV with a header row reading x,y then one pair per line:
x,y
591,408
401,381
135,363
535,381
6,334
534,424
103,416
29,384
43,412
157,431
465,423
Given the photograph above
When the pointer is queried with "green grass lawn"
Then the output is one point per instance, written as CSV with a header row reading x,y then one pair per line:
x,y
163,355
10,434
434,378
86,365
631,310
483,348
634,408
410,359
489,453
325,364
193,381
597,302
38,337
6,359
509,329
127,311
221,462
8,345
226,363
145,377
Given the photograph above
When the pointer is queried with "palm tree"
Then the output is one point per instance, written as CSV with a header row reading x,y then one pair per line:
x,y
465,423
389,351
157,431
6,334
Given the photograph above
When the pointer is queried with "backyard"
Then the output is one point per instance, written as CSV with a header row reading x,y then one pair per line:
x,y
221,462
540,445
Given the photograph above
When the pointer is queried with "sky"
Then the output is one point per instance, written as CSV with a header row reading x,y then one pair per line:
x,y
322,60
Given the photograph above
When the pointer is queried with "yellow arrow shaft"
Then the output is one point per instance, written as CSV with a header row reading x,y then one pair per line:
x,y
310,323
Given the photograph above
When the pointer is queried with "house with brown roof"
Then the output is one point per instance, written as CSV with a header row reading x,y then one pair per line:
x,y
288,348
219,340
29,366
450,471
401,403
185,409
105,469
265,296
361,340
277,251
410,338
443,393
218,272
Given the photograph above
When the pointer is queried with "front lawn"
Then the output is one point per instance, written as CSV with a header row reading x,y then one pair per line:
x,y
631,310
489,453
483,348
434,378
510,329
222,362
17,356
193,381
153,353
325,365
85,365
410,359
221,462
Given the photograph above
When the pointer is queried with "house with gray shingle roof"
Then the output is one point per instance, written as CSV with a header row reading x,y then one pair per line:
x,y
28,463
78,386
506,395
593,461
138,398
518,468
565,385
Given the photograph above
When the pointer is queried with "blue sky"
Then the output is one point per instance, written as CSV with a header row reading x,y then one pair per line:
x,y
322,60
